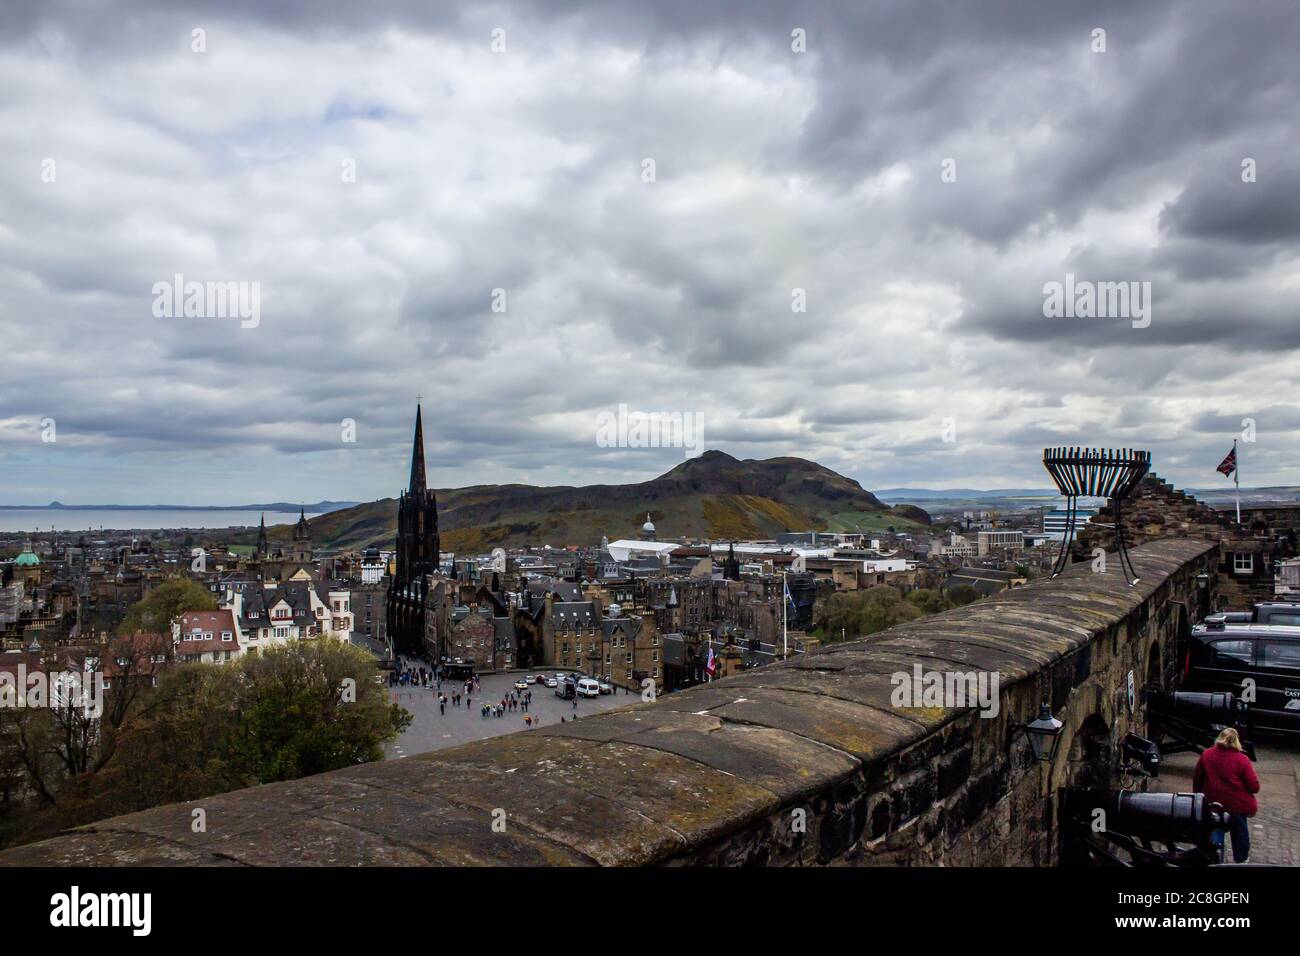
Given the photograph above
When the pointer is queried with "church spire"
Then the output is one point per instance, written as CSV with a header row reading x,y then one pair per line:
x,y
417,456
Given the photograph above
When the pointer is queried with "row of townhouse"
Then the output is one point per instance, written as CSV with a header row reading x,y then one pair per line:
x,y
263,616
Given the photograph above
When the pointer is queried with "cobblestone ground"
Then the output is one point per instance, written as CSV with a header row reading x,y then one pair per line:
x,y
1275,830
433,730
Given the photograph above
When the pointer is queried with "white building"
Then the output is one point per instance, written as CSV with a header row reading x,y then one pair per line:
x,y
625,549
1055,522
374,565
957,547
291,611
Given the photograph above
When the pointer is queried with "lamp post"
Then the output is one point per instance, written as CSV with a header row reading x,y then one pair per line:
x,y
1044,733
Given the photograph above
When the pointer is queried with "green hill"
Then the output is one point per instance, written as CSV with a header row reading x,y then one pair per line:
x,y
714,495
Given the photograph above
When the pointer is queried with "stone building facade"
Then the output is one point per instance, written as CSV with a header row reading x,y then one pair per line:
x,y
1248,552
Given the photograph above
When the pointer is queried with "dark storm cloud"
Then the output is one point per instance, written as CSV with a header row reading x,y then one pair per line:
x,y
776,171
1262,212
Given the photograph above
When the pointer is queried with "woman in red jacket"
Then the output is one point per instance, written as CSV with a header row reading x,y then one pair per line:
x,y
1225,775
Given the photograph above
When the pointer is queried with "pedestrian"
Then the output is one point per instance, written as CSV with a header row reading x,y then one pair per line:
x,y
1225,775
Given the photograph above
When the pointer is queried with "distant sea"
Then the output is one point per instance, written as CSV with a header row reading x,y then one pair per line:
x,y
128,519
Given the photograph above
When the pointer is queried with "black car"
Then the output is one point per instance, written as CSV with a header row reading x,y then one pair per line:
x,y
1265,612
1259,661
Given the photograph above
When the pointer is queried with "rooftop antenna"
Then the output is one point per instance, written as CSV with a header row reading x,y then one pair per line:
x,y
1095,473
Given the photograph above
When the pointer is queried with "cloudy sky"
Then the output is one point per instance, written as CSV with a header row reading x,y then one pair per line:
x,y
378,170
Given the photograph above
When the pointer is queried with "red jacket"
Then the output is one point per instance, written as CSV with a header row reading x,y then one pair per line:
x,y
1226,776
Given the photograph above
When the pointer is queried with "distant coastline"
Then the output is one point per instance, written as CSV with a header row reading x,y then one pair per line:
x,y
29,520
319,507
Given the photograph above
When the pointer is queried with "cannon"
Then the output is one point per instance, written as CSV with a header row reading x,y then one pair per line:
x,y
1129,829
1182,721
1140,756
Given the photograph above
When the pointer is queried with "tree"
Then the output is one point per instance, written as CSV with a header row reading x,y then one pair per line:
x,y
164,604
294,710
858,613
929,600
963,594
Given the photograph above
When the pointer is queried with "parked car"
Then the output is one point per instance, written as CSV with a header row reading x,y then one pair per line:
x,y
587,687
551,682
541,678
1265,612
606,687
523,684
1225,657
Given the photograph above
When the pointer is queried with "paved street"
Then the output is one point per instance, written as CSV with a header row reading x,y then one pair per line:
x,y
1275,830
431,730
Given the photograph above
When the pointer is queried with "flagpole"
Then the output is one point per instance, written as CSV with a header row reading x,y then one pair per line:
x,y
785,618
1236,478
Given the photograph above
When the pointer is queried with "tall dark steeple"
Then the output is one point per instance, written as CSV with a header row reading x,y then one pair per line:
x,y
302,552
263,545
417,552
731,567
417,455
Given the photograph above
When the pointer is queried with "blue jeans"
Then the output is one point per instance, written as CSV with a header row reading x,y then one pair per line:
x,y
1239,827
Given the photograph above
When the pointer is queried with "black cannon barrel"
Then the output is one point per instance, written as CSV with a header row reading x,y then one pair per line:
x,y
1165,813
1198,707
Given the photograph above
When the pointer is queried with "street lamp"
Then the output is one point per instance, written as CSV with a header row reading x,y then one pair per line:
x,y
1044,733
1202,580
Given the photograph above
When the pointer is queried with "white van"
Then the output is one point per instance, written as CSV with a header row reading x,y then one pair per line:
x,y
588,687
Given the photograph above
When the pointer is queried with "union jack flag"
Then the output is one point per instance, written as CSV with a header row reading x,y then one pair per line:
x,y
1229,464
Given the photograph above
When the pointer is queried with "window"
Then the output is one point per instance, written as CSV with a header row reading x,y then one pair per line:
x,y
1280,654
1243,563
227,636
1226,652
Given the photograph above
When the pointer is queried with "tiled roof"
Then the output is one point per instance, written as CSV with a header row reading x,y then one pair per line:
x,y
210,626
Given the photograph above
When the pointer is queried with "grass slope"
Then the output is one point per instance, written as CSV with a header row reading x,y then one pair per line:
x,y
714,496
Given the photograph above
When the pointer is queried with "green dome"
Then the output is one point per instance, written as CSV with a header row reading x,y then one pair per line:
x,y
27,559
